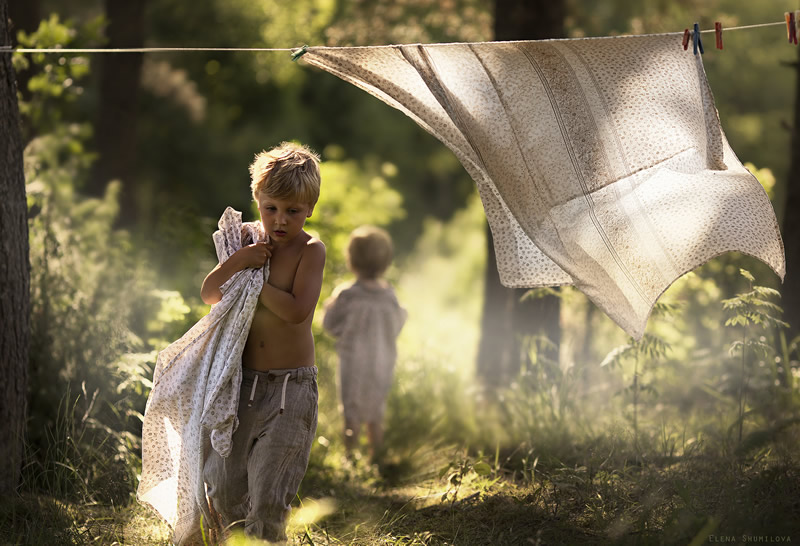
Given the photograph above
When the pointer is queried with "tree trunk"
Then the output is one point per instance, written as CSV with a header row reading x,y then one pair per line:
x,y
499,352
120,74
507,319
791,226
528,19
14,275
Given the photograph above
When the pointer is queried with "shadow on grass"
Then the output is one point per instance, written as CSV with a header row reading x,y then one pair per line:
x,y
42,520
692,501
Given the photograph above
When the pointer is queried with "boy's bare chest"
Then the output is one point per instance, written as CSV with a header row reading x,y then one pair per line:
x,y
283,268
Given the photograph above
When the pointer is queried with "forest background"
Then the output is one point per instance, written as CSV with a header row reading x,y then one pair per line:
x,y
589,436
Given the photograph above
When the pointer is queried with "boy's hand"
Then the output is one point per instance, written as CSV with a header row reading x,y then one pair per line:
x,y
255,255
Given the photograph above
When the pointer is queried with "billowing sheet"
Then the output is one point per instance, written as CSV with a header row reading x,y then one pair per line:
x,y
600,162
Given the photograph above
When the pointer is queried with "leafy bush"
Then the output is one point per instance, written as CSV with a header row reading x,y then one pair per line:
x,y
93,304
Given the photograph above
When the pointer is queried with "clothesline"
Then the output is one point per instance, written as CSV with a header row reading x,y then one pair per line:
x,y
295,49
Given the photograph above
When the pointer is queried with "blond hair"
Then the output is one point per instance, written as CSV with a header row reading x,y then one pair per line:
x,y
288,171
369,251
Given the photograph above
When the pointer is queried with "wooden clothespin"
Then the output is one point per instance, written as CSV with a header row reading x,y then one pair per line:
x,y
696,40
685,39
718,33
299,52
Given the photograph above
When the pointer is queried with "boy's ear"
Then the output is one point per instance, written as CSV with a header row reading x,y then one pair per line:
x,y
310,211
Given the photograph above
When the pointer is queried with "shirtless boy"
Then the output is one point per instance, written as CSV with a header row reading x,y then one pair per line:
x,y
277,413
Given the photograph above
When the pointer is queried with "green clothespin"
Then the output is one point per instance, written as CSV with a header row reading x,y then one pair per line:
x,y
299,52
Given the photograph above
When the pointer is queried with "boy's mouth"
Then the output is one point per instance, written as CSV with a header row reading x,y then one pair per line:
x,y
279,233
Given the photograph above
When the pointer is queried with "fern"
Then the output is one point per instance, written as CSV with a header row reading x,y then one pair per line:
x,y
755,315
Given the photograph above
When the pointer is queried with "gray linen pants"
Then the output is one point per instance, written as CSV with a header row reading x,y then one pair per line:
x,y
258,481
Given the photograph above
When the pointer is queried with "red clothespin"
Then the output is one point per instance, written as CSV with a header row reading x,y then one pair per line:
x,y
792,29
718,33
686,39
788,28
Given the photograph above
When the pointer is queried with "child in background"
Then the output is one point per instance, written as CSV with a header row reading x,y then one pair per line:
x,y
366,318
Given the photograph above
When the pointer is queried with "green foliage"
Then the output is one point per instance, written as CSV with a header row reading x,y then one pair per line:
x,y
457,472
92,296
753,307
756,315
645,353
55,83
88,291
353,194
416,21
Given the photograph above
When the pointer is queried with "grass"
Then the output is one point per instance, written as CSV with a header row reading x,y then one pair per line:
x,y
590,500
679,500
39,519
541,466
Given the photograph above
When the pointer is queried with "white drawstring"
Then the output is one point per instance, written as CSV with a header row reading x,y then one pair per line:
x,y
253,392
283,390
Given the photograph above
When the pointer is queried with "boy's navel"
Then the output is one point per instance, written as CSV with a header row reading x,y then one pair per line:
x,y
261,344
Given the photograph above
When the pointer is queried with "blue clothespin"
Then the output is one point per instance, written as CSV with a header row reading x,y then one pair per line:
x,y
697,43
297,53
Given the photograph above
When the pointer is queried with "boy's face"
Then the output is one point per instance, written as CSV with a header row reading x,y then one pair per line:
x,y
283,219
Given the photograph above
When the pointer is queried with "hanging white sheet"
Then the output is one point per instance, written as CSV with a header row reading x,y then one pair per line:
x,y
600,162
192,406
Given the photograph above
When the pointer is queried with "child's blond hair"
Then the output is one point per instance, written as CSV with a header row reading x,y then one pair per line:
x,y
287,172
369,252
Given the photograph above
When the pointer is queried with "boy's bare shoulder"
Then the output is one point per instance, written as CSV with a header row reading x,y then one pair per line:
x,y
314,248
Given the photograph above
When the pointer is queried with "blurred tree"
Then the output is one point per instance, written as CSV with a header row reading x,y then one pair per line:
x,y
506,318
14,273
791,225
24,15
118,110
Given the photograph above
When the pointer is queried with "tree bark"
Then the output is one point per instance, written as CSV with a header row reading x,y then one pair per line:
x,y
506,319
120,74
791,226
14,275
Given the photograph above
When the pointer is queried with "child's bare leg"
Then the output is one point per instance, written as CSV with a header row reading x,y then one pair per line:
x,y
351,432
375,438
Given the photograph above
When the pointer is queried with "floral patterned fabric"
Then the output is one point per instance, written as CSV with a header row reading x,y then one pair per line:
x,y
600,162
192,406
